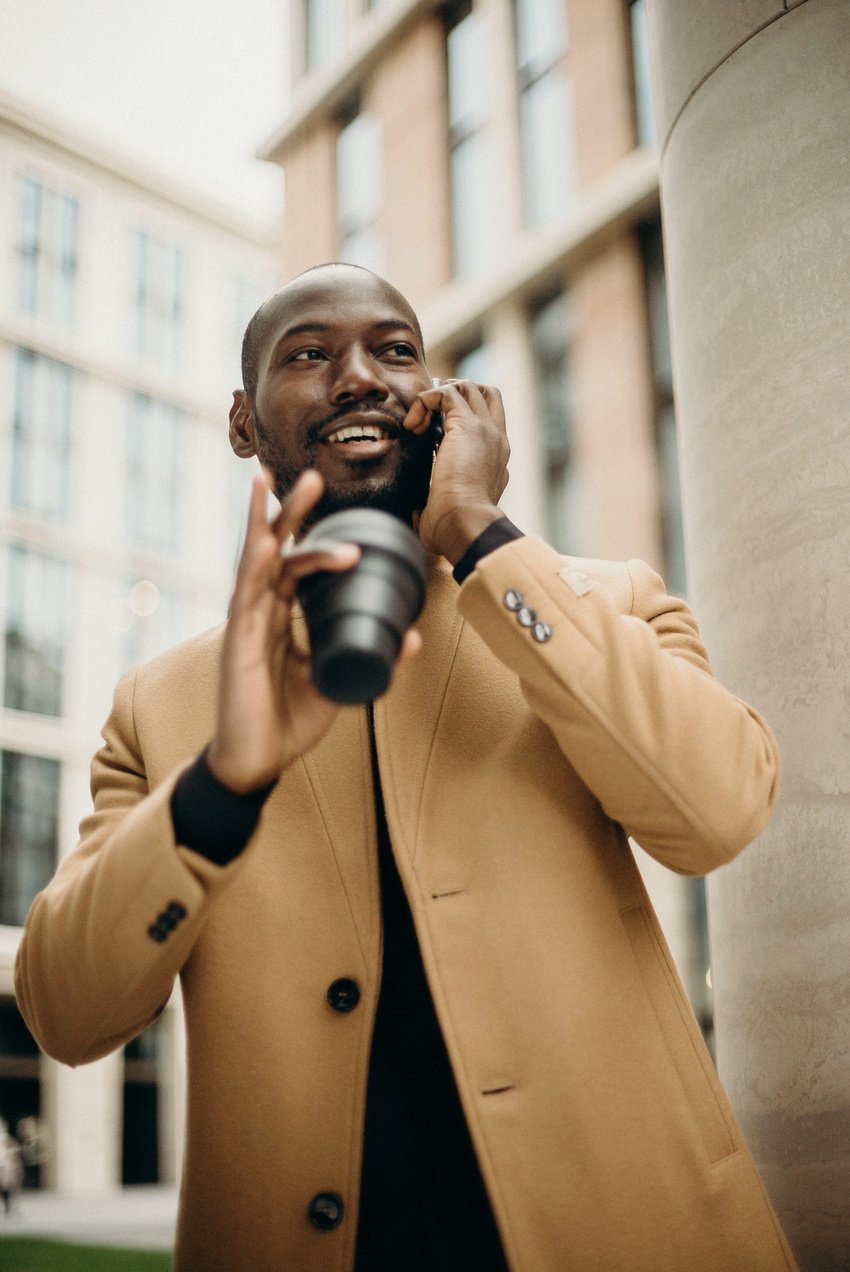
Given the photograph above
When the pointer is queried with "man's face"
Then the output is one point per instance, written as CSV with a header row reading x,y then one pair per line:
x,y
339,364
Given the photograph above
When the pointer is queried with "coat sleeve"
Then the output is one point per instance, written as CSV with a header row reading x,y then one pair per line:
x,y
104,941
622,679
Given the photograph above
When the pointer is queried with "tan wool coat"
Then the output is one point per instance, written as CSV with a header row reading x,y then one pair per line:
x,y
513,770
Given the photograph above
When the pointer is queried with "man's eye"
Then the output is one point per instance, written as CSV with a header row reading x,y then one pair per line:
x,y
401,350
307,355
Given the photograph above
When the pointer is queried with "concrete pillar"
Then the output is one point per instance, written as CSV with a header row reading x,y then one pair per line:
x,y
82,1108
754,103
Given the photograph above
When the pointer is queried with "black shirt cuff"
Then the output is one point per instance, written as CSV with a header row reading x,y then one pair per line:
x,y
210,818
495,536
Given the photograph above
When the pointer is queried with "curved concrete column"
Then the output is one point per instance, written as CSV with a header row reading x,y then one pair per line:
x,y
754,99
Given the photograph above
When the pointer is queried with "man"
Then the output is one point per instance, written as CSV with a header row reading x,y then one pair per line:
x,y
431,1020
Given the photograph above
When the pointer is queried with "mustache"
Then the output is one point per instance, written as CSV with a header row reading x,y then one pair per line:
x,y
317,430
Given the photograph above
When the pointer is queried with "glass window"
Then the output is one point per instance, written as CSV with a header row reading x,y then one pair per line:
x,y
548,149
41,435
477,364
152,485
647,133
469,159
29,808
29,241
470,196
550,330
546,116
541,34
35,632
141,1107
47,252
159,269
20,1094
665,415
323,31
247,294
359,184
157,618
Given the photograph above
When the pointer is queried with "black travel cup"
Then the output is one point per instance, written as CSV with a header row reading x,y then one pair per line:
x,y
357,618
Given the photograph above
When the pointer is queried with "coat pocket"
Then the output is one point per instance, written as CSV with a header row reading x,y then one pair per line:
x,y
682,1038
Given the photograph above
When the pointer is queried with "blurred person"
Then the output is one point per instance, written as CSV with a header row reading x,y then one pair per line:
x,y
11,1167
34,1138
432,1022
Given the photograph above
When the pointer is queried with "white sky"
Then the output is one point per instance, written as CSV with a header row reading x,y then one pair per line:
x,y
190,87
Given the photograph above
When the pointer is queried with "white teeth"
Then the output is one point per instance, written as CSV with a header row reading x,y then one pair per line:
x,y
358,433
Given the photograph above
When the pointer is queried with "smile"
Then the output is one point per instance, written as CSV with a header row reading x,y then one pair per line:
x,y
358,433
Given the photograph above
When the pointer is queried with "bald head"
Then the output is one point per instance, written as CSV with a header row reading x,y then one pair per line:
x,y
272,312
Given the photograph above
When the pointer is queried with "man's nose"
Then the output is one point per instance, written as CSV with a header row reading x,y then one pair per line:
x,y
358,378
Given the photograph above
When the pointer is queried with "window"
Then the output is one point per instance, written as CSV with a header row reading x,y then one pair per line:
x,y
246,296
550,331
647,133
359,182
157,618
547,129
477,364
322,31
665,416
29,807
35,632
47,252
468,106
141,1107
41,435
20,1090
153,451
159,268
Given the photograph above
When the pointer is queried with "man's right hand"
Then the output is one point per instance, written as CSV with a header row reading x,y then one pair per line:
x,y
269,711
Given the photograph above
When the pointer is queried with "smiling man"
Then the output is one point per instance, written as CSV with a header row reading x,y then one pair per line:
x,y
297,412
432,1023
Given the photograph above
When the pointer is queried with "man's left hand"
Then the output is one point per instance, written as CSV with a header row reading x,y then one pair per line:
x,y
471,466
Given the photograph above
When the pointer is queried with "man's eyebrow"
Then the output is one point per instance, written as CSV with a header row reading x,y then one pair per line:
x,y
303,328
392,324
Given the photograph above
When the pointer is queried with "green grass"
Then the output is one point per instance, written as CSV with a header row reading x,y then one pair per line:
x,y
24,1254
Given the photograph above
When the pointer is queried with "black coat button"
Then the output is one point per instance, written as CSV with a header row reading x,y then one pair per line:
x,y
176,911
344,994
325,1211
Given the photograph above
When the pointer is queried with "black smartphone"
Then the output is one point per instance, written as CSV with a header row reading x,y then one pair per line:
x,y
436,428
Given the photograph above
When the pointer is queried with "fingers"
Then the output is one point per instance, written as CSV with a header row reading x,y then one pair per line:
x,y
411,643
455,398
297,562
264,570
300,501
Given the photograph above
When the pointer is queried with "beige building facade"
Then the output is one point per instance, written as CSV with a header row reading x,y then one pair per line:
x,y
122,304
486,158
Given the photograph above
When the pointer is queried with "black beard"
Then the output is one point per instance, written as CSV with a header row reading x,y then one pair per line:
x,y
401,495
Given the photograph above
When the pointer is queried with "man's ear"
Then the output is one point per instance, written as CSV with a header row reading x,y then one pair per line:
x,y
242,437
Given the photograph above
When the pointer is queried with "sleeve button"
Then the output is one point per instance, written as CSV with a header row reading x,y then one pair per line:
x,y
541,632
512,599
526,617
